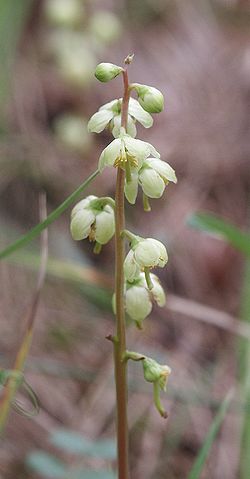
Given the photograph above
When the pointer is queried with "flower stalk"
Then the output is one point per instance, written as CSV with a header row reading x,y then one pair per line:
x,y
120,342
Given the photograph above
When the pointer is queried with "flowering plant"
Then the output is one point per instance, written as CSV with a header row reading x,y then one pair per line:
x,y
138,163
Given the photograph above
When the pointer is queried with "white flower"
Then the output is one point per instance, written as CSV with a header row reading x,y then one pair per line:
x,y
126,149
144,255
139,300
138,304
94,219
153,177
110,114
150,98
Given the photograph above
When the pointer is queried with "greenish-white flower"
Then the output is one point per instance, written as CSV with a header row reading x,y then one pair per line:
x,y
153,177
139,300
145,254
124,150
94,219
110,115
150,98
105,72
155,372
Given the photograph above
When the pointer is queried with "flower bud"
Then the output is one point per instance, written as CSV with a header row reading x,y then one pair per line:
x,y
150,98
107,71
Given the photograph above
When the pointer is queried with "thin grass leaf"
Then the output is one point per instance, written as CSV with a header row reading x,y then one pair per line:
x,y
212,224
244,373
210,438
36,231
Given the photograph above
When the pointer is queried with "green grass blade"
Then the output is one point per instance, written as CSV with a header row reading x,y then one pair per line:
x,y
244,373
209,440
212,224
34,232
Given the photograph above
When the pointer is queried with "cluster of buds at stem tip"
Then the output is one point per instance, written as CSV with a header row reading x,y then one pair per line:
x,y
140,160
93,218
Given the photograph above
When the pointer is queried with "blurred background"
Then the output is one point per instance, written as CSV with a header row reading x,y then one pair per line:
x,y
198,54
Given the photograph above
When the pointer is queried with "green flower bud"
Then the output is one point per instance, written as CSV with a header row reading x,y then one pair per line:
x,y
93,218
107,71
150,98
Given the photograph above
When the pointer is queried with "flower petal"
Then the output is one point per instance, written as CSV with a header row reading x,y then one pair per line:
x,y
146,253
109,154
131,188
163,255
163,168
131,268
139,113
131,128
104,227
113,105
138,148
81,205
151,182
116,130
158,291
100,120
138,304
80,226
